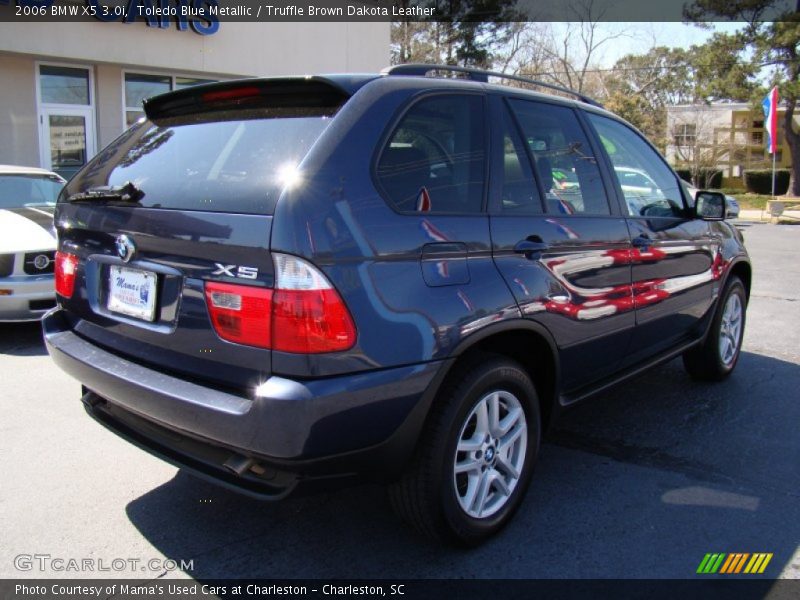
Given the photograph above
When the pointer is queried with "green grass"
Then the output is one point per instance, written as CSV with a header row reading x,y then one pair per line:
x,y
748,201
752,201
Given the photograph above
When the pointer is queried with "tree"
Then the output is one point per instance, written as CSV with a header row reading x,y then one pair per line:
x,y
641,86
719,70
573,50
524,53
466,32
565,54
773,43
699,144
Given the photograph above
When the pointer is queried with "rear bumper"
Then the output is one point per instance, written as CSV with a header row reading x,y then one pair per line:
x,y
31,297
356,426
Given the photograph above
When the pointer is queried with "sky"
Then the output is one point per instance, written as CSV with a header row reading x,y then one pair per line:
x,y
640,37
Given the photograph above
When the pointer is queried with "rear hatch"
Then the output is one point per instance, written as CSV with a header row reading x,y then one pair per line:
x,y
183,198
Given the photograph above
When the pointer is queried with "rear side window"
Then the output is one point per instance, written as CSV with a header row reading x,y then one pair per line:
x,y
519,194
435,160
235,161
648,185
563,158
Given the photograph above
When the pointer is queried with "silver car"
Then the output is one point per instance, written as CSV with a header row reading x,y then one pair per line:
x,y
27,241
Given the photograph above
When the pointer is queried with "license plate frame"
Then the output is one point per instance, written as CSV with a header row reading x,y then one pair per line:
x,y
132,292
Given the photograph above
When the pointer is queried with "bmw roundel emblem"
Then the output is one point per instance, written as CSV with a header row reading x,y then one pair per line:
x,y
125,247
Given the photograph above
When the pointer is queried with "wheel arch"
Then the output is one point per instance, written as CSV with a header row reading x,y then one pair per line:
x,y
744,271
526,342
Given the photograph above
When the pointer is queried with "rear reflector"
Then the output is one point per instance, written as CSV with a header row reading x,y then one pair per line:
x,y
66,266
304,314
240,313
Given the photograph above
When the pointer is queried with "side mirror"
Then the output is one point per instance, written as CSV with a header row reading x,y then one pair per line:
x,y
709,206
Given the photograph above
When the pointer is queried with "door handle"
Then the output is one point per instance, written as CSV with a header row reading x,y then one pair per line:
x,y
530,248
641,241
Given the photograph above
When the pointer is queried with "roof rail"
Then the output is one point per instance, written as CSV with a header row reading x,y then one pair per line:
x,y
422,70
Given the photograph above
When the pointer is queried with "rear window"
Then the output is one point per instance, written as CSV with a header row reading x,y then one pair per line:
x,y
235,162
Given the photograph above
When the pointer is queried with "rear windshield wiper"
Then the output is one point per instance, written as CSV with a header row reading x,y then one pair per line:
x,y
127,192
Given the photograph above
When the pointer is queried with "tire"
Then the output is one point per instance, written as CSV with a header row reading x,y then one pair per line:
x,y
716,357
447,506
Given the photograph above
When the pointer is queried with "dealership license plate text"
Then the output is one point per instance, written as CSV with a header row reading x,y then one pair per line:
x,y
132,292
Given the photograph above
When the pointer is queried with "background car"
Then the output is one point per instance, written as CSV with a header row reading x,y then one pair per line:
x,y
731,204
27,241
638,188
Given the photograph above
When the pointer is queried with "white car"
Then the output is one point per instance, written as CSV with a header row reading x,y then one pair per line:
x,y
27,241
638,188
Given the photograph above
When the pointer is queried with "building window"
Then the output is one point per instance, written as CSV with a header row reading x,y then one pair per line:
x,y
140,86
757,137
66,117
185,82
685,134
64,85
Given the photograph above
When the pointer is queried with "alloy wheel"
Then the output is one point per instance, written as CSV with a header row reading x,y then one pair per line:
x,y
490,454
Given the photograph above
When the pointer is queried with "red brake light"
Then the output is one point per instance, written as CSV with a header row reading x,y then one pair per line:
x,y
304,314
240,313
231,94
66,266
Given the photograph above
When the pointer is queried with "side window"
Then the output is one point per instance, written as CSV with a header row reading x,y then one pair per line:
x,y
435,159
563,158
649,187
519,194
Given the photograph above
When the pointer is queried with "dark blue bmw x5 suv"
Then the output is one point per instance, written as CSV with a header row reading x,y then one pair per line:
x,y
284,284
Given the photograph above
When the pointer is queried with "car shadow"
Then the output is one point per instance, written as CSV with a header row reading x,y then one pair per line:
x,y
662,468
22,339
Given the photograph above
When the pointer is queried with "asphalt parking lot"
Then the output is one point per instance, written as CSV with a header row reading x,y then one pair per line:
x,y
641,482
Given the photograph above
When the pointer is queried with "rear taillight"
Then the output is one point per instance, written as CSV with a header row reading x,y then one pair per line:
x,y
308,315
304,314
66,265
240,313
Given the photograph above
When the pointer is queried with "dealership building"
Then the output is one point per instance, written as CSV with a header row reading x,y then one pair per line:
x,y
69,89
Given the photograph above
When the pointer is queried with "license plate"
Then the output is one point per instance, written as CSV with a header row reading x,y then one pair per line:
x,y
132,292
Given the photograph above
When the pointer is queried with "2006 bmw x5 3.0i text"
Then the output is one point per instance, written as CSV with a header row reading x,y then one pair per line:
x,y
285,284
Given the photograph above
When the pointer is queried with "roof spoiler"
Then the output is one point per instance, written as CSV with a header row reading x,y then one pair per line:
x,y
287,92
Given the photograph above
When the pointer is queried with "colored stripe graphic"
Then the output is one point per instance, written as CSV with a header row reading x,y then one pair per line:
x,y
758,563
710,563
734,562
703,563
728,562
